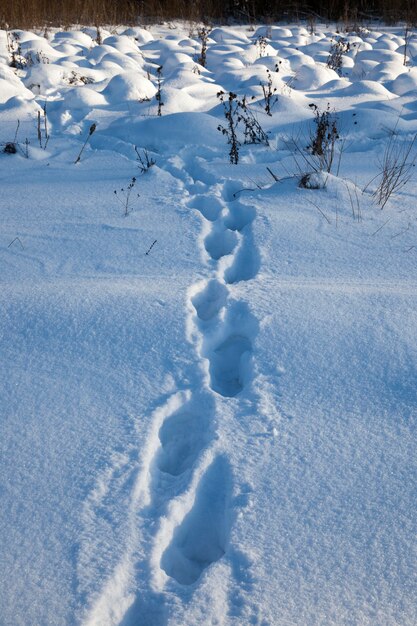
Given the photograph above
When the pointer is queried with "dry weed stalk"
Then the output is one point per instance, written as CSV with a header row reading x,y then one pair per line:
x,y
126,200
158,95
203,35
396,167
90,132
230,106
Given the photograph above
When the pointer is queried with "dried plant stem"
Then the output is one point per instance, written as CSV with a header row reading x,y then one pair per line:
x,y
90,132
319,210
396,166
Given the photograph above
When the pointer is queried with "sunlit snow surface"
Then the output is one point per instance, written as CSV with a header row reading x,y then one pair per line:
x,y
208,404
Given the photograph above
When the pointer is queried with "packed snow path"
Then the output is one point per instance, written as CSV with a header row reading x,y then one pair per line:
x,y
207,389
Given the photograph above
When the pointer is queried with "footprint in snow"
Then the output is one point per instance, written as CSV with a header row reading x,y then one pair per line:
x,y
183,435
210,300
201,538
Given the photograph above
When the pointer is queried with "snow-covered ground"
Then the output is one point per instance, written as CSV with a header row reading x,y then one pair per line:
x,y
208,390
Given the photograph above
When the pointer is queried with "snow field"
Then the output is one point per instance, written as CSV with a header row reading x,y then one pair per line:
x,y
208,404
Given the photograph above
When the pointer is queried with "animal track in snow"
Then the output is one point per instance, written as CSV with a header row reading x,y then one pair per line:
x,y
202,536
182,437
210,300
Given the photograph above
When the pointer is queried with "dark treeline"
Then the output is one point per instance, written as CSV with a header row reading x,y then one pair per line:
x,y
31,13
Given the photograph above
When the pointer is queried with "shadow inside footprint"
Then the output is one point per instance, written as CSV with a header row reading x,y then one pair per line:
x,y
227,365
246,263
239,216
220,243
148,609
182,438
201,539
210,207
210,300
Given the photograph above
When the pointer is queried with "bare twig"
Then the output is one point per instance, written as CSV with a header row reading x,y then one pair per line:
x,y
126,202
158,95
397,163
255,183
356,210
203,35
150,248
407,36
230,106
320,210
16,239
269,92
253,131
402,231
381,227
45,126
242,190
39,129
17,130
274,176
338,48
323,140
90,132
144,160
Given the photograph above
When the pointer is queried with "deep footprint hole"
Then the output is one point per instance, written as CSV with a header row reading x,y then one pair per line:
x,y
210,301
229,364
246,263
239,216
202,537
182,438
210,207
219,244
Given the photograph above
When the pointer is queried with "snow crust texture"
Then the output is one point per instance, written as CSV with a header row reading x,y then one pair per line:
x,y
208,369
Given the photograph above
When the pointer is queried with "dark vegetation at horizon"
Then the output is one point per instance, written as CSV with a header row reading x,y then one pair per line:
x,y
64,13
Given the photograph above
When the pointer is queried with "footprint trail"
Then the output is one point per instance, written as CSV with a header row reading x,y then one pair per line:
x,y
180,511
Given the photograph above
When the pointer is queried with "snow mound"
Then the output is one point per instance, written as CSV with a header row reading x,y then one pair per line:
x,y
73,37
225,35
169,130
128,86
83,98
309,77
11,87
44,78
404,83
140,35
